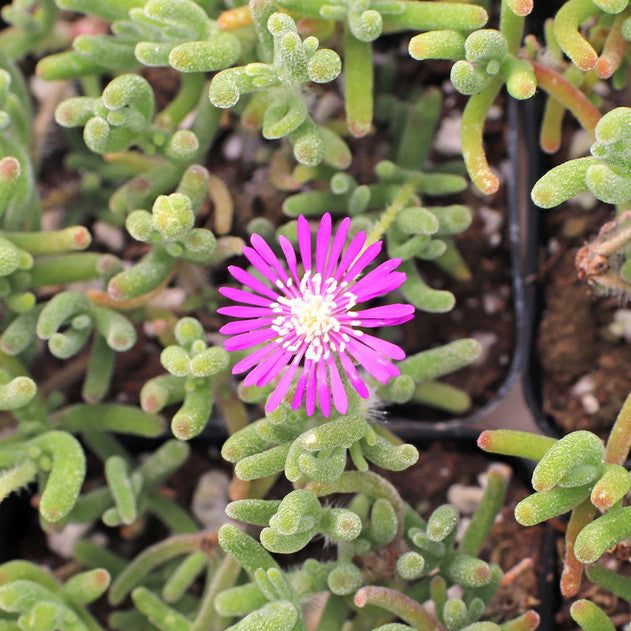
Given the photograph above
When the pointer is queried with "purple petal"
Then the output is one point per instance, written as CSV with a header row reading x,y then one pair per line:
x,y
283,385
312,391
260,245
351,253
381,346
323,242
247,340
304,242
300,386
268,368
257,261
380,368
381,272
386,315
237,311
254,358
338,245
242,326
355,379
239,295
366,257
340,399
380,286
324,394
290,255
245,278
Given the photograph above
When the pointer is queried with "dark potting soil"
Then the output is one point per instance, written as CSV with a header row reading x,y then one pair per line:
x,y
585,372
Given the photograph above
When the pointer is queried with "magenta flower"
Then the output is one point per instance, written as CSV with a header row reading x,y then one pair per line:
x,y
308,318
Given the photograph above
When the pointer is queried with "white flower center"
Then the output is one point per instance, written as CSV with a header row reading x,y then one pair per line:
x,y
310,317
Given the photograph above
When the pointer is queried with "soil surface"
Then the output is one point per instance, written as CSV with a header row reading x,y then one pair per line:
x,y
582,362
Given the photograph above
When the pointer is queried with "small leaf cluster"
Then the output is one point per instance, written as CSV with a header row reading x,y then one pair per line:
x,y
19,204
606,173
35,259
286,440
571,470
133,488
44,448
364,22
175,33
123,116
278,105
170,228
32,598
577,473
610,17
66,322
196,371
479,57
30,26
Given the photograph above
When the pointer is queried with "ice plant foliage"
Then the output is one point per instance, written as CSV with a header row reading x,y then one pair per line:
x,y
308,318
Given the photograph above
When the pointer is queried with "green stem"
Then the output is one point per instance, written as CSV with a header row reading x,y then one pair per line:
x,y
400,201
619,442
358,84
189,94
16,478
471,133
512,26
64,269
399,604
234,412
50,242
152,557
223,578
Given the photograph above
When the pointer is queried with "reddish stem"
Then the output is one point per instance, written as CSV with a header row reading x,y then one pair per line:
x,y
572,567
614,49
619,442
570,96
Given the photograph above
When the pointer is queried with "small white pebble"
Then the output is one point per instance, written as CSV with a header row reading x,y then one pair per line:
x,y
492,219
590,403
621,325
170,298
464,498
63,542
455,591
585,385
491,304
486,340
580,144
108,235
447,140
585,200
233,147
52,219
210,499
447,87
495,113
553,246
463,524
